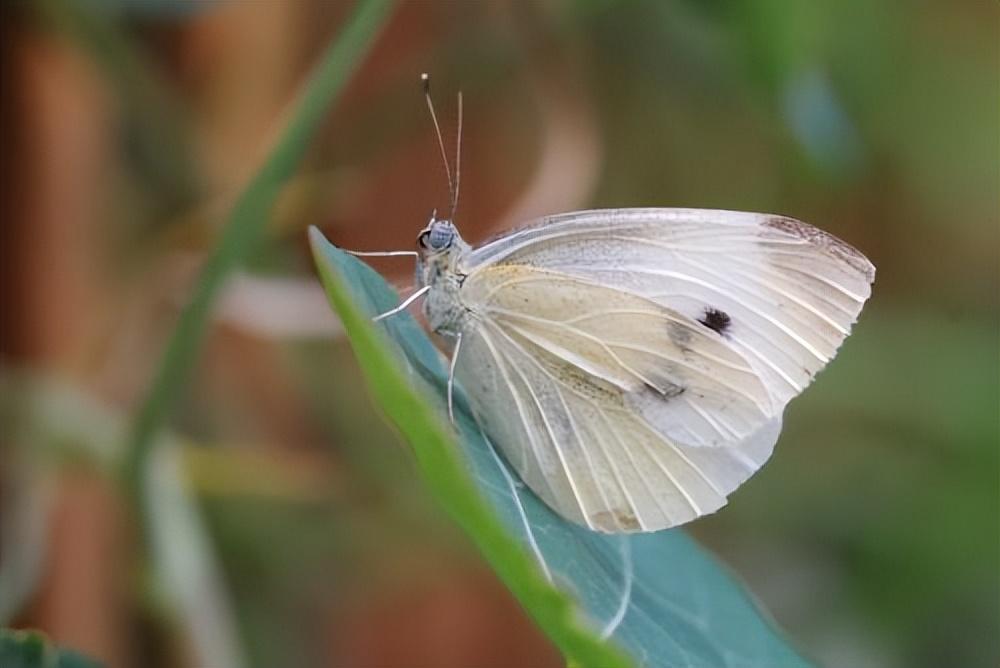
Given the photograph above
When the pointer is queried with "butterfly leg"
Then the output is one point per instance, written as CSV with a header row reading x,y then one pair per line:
x,y
404,305
414,254
381,253
451,378
515,484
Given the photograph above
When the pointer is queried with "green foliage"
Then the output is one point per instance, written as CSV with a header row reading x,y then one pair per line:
x,y
31,649
657,595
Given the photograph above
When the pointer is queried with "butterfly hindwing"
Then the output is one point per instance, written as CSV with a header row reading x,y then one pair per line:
x,y
574,439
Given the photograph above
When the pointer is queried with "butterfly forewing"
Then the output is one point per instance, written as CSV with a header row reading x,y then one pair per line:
x,y
780,293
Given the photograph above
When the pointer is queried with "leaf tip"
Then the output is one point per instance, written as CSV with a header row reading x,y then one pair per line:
x,y
316,238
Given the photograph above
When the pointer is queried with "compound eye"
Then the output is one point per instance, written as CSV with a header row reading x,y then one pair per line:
x,y
441,236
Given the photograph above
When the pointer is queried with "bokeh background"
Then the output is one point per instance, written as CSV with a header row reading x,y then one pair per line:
x,y
294,529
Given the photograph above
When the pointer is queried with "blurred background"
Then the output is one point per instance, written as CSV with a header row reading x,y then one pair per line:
x,y
284,523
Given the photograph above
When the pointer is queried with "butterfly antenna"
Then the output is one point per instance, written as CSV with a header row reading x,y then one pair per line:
x,y
426,79
458,161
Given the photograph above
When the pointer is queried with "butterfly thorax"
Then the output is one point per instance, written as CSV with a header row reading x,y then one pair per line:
x,y
441,266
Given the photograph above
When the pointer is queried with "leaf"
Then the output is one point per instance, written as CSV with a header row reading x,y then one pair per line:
x,y
657,595
31,649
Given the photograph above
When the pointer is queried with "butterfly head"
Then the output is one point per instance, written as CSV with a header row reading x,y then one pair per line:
x,y
438,237
442,254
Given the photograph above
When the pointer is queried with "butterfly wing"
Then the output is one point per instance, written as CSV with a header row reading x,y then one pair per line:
x,y
633,364
781,293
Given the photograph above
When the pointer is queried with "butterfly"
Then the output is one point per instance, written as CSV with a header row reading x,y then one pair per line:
x,y
633,365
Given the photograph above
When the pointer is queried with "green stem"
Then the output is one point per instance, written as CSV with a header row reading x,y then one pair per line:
x,y
244,228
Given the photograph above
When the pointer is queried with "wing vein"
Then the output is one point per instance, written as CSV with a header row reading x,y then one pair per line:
x,y
680,453
583,447
611,462
774,321
642,476
700,372
520,410
552,435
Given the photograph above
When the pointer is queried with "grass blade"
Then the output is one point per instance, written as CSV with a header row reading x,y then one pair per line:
x,y
244,227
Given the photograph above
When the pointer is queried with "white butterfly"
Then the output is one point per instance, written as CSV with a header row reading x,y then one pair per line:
x,y
633,364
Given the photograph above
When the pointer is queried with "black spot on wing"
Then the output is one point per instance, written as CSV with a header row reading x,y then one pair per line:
x,y
716,320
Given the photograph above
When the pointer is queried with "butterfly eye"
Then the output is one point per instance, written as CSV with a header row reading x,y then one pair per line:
x,y
438,237
442,236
